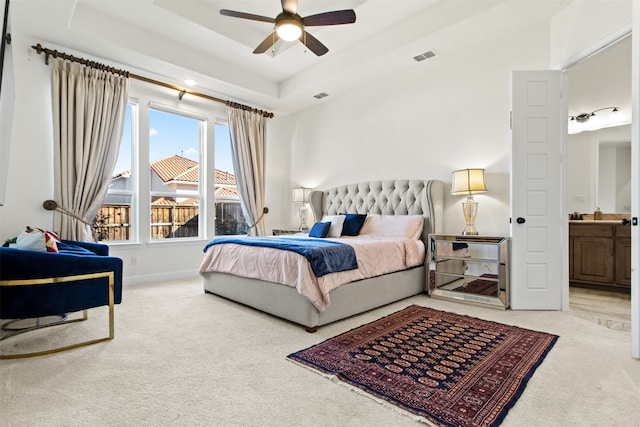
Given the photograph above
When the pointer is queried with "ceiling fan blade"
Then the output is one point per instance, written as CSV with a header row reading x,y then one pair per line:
x,y
336,17
267,43
290,6
234,14
313,44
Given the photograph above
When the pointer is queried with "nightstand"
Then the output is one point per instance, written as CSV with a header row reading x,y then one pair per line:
x,y
473,269
281,231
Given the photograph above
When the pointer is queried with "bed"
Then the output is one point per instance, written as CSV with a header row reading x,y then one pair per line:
x,y
378,199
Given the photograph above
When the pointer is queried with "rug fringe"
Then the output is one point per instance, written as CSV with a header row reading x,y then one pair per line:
x,y
334,378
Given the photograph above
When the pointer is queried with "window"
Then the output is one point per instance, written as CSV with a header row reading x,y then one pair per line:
x,y
174,167
157,191
229,216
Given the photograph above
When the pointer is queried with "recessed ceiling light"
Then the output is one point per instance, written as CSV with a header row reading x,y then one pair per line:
x,y
321,95
190,82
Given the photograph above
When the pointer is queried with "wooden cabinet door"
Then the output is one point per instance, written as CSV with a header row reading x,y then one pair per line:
x,y
623,262
593,259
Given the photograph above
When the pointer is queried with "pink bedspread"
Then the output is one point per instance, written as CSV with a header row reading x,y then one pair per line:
x,y
377,255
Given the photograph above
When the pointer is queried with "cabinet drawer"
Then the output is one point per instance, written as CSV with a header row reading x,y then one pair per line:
x,y
591,230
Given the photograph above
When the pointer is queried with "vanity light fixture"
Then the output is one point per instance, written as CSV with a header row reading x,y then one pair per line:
x,y
584,117
597,119
468,182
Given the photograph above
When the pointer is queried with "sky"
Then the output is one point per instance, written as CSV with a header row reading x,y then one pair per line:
x,y
171,134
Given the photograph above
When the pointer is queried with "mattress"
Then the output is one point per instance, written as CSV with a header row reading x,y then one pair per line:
x,y
376,256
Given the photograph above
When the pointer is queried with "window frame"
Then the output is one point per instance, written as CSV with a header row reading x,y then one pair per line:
x,y
200,193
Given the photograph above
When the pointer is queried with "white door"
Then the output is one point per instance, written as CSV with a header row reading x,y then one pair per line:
x,y
635,183
537,239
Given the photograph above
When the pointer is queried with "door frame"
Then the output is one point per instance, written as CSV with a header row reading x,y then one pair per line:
x,y
634,30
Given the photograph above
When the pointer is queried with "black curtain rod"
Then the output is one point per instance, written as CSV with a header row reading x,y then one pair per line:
x,y
181,91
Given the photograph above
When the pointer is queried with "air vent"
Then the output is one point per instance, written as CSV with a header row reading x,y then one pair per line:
x,y
426,55
321,95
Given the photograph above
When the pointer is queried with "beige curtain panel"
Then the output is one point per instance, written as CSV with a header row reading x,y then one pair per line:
x,y
248,135
89,108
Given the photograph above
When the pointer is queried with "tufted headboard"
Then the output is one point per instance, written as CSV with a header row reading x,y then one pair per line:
x,y
392,197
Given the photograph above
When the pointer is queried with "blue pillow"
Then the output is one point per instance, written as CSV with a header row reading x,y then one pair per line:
x,y
320,229
353,224
67,248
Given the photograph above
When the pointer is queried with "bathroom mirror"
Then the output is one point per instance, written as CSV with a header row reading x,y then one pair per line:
x,y
599,171
613,188
598,159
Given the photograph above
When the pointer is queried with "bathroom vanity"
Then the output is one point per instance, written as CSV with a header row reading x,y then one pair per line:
x,y
600,254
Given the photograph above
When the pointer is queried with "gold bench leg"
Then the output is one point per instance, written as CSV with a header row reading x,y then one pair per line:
x,y
110,275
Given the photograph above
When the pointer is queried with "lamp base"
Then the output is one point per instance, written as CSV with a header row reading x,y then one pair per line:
x,y
469,209
302,211
469,232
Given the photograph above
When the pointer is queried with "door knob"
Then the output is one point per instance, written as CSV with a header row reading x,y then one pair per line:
x,y
625,221
521,220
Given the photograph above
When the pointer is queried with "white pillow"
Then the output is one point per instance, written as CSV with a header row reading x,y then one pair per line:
x,y
337,221
407,226
31,241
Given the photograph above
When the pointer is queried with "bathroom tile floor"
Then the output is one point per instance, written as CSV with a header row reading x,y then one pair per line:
x,y
609,309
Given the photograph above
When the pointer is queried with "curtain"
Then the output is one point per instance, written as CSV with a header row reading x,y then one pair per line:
x,y
248,135
89,108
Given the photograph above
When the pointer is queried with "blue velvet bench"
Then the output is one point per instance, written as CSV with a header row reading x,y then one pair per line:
x,y
36,285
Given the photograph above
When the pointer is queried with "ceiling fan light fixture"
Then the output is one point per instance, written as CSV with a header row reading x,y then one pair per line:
x,y
289,29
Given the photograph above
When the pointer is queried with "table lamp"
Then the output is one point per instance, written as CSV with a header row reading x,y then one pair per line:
x,y
469,182
301,196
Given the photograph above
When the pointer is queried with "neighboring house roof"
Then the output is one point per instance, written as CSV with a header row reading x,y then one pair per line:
x,y
225,178
176,168
169,201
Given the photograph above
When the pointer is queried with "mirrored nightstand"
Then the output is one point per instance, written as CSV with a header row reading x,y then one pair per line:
x,y
473,269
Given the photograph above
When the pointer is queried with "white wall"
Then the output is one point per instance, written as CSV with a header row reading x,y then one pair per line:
x,y
448,113
581,28
30,172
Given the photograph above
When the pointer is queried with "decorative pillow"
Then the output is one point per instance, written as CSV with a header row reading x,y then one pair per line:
x,y
407,226
337,221
36,239
320,229
68,248
353,224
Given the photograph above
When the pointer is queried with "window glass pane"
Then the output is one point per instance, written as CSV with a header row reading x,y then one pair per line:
x,y
229,216
174,155
113,221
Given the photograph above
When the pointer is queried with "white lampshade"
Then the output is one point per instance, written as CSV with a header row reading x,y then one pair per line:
x,y
468,181
301,195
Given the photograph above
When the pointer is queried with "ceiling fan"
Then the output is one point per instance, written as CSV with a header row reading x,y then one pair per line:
x,y
289,25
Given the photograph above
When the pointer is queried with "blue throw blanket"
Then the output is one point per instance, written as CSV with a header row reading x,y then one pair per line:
x,y
324,256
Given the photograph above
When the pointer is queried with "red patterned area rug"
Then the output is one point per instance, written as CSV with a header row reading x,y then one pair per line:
x,y
480,286
445,368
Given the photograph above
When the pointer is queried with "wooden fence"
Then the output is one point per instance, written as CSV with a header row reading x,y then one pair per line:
x,y
113,222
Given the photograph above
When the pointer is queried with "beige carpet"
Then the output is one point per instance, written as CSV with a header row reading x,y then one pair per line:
x,y
185,358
